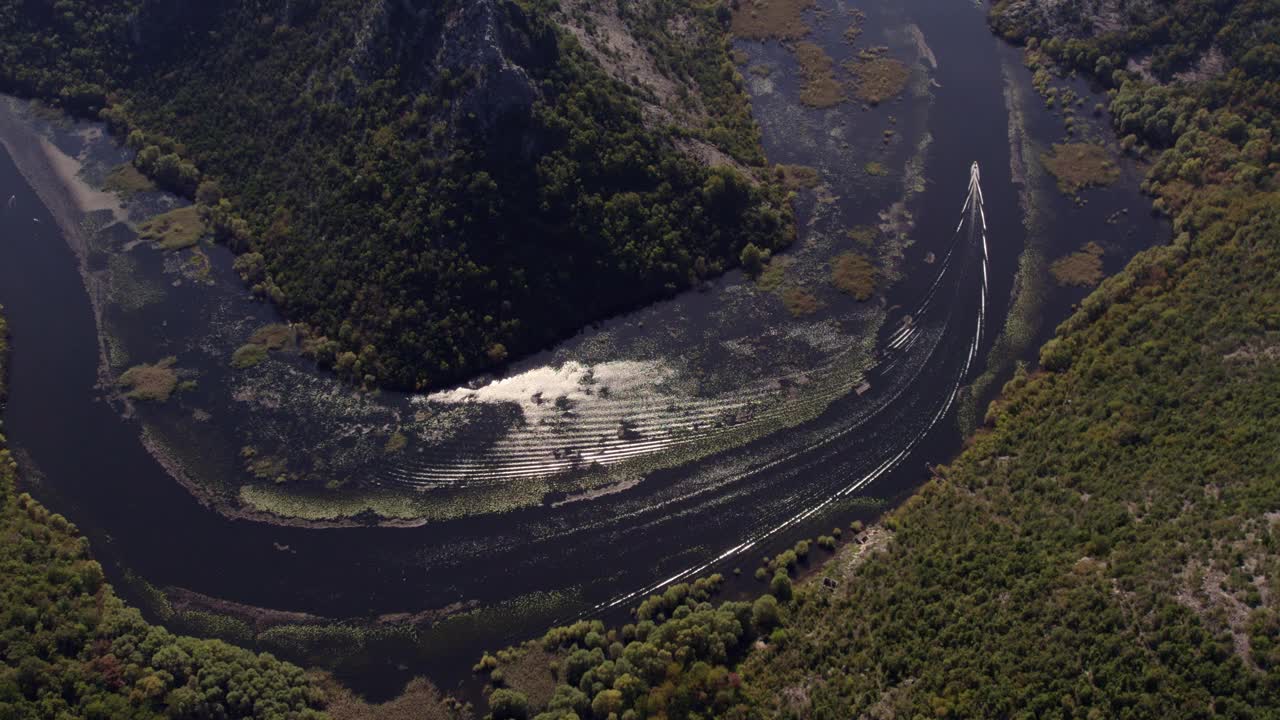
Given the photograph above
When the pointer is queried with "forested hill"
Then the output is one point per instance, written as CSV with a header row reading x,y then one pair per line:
x,y
431,185
1108,545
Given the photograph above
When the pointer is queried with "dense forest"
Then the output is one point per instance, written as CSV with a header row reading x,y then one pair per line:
x,y
431,187
1108,544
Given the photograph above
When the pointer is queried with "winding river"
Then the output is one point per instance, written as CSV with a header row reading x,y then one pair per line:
x,y
730,429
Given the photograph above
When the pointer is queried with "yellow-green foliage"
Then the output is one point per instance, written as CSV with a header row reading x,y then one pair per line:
x,y
774,273
126,180
854,274
70,648
1080,165
878,79
277,336
819,88
764,19
875,169
246,356
1082,268
174,230
151,383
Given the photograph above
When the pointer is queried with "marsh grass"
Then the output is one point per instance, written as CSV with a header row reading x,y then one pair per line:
x,y
854,274
875,169
820,88
800,302
151,383
797,177
770,19
878,78
126,181
774,273
174,230
1079,269
247,356
1080,165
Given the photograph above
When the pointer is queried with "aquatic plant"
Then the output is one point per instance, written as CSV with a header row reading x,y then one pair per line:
x,y
151,383
852,273
1080,165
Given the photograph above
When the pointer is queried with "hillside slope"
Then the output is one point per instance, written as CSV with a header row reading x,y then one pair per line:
x,y
432,187
1108,545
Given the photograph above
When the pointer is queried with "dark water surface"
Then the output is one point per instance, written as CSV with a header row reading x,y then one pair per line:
x,y
532,567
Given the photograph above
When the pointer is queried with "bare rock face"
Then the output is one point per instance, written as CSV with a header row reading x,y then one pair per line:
x,y
494,42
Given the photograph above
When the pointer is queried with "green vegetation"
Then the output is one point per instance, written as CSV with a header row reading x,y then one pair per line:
x,y
174,230
878,78
127,181
1080,165
425,220
1083,269
819,88
1107,545
770,19
247,356
798,177
151,383
854,274
70,648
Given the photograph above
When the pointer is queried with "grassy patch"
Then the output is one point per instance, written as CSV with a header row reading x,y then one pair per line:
x,y
770,279
1080,165
876,169
796,177
125,180
246,356
819,88
878,79
151,383
277,336
1081,269
764,19
174,230
800,302
854,274
762,71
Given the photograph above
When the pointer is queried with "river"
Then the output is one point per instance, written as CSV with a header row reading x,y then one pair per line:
x,y
381,604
